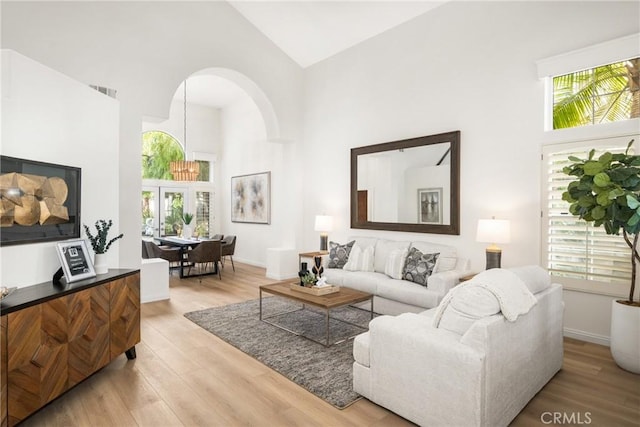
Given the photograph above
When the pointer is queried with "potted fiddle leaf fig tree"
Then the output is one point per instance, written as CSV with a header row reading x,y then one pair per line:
x,y
606,192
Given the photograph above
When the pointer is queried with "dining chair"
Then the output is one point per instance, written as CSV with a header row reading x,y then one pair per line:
x,y
207,251
145,254
173,255
228,249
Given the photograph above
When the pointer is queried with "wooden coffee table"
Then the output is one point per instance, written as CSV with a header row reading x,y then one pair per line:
x,y
345,296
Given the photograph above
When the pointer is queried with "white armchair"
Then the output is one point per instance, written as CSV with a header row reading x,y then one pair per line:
x,y
436,377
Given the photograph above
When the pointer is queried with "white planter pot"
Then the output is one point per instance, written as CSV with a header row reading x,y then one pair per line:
x,y
187,232
100,264
625,336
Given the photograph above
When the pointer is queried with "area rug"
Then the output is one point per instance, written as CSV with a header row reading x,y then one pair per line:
x,y
324,371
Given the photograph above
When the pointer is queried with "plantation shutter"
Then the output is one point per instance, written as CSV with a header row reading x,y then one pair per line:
x,y
203,212
574,249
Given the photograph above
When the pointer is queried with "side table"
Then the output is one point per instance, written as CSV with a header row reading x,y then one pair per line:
x,y
310,255
467,277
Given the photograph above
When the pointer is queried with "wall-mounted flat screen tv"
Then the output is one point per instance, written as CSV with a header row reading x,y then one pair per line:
x,y
39,202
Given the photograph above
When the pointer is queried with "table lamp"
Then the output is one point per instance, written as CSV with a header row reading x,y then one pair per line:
x,y
493,231
324,223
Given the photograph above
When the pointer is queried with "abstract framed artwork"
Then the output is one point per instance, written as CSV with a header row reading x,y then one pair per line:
x,y
40,201
251,198
430,205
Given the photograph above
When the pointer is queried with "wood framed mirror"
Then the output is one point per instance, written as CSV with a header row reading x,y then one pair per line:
x,y
410,185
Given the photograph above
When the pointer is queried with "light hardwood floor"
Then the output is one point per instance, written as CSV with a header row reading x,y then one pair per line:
x,y
185,376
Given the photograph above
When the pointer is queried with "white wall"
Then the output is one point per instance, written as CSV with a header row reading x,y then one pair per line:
x,y
245,152
145,50
467,66
204,133
49,117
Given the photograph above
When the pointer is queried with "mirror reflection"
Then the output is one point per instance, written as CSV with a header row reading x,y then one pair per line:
x,y
406,185
409,185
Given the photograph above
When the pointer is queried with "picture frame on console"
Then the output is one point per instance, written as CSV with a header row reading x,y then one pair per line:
x,y
430,206
40,201
75,260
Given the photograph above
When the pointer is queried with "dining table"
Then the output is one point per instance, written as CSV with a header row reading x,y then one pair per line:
x,y
183,245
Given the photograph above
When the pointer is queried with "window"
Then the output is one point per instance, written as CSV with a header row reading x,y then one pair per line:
x,y
159,149
203,213
204,174
579,255
173,210
603,94
164,201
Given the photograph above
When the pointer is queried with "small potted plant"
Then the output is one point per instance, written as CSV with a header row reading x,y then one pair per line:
x,y
186,220
309,280
100,244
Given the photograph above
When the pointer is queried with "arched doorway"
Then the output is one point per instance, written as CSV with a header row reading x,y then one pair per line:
x,y
205,119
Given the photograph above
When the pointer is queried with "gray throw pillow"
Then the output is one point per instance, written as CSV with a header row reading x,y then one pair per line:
x,y
418,266
339,254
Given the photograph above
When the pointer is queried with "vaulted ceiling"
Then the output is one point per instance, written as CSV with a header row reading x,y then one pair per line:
x,y
310,31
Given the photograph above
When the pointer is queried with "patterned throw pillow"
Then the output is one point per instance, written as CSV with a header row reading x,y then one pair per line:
x,y
418,266
339,254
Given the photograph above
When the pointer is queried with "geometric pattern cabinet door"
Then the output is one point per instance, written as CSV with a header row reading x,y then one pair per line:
x,y
3,372
125,315
88,332
51,339
37,357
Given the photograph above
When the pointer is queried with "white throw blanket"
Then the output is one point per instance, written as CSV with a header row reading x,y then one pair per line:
x,y
511,292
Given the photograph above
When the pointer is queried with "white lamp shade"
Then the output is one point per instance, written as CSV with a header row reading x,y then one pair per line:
x,y
494,231
323,223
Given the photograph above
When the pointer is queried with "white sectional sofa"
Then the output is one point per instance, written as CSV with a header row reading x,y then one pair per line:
x,y
480,370
394,296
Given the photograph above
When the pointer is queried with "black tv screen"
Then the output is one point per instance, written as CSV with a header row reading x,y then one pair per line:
x,y
39,201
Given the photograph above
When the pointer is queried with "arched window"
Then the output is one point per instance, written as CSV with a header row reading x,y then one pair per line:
x,y
159,149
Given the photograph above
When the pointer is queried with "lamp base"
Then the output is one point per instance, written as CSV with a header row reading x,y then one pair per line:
x,y
494,258
323,242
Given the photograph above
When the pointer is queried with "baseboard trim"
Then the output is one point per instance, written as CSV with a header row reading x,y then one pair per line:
x,y
154,299
586,336
282,277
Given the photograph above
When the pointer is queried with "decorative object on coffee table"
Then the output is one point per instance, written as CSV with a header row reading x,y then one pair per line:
x,y
303,272
315,290
99,242
309,279
317,269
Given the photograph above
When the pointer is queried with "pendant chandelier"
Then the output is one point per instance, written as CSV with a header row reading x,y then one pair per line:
x,y
185,170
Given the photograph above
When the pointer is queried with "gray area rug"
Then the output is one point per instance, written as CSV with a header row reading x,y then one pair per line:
x,y
325,372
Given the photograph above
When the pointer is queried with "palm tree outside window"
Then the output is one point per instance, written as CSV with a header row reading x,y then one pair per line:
x,y
604,94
